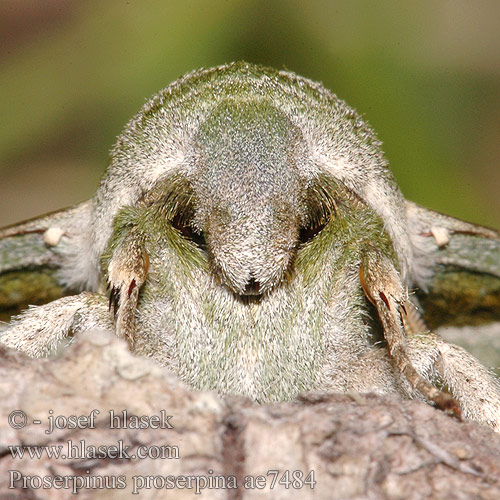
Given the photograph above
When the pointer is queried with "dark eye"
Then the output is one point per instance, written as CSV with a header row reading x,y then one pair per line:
x,y
307,233
183,225
318,215
321,208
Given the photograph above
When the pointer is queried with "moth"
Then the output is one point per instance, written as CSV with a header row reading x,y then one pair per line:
x,y
249,236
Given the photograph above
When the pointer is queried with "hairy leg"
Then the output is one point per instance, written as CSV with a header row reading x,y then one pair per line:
x,y
40,329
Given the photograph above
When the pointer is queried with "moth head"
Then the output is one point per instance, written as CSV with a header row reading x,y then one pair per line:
x,y
250,144
250,194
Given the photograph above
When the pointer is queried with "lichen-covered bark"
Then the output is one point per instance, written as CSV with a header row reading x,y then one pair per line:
x,y
359,446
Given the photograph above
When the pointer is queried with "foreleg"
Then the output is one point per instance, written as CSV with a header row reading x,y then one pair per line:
x,y
383,287
40,329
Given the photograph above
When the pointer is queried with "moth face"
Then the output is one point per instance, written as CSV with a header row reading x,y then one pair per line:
x,y
250,196
252,250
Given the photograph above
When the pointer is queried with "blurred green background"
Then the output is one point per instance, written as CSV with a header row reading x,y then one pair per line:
x,y
426,75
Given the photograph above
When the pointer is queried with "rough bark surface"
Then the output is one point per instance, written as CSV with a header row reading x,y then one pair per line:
x,y
359,446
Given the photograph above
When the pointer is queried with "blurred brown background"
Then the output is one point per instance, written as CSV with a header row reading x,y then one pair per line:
x,y
426,75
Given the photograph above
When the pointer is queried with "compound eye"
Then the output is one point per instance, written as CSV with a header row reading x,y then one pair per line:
x,y
183,224
321,208
319,214
309,232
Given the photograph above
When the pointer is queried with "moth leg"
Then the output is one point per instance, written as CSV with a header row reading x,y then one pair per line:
x,y
475,388
40,329
383,287
127,271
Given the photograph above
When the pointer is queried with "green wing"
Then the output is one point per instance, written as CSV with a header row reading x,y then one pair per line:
x,y
31,253
458,268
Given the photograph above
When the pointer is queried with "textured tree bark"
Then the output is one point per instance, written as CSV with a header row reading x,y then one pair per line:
x,y
333,446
